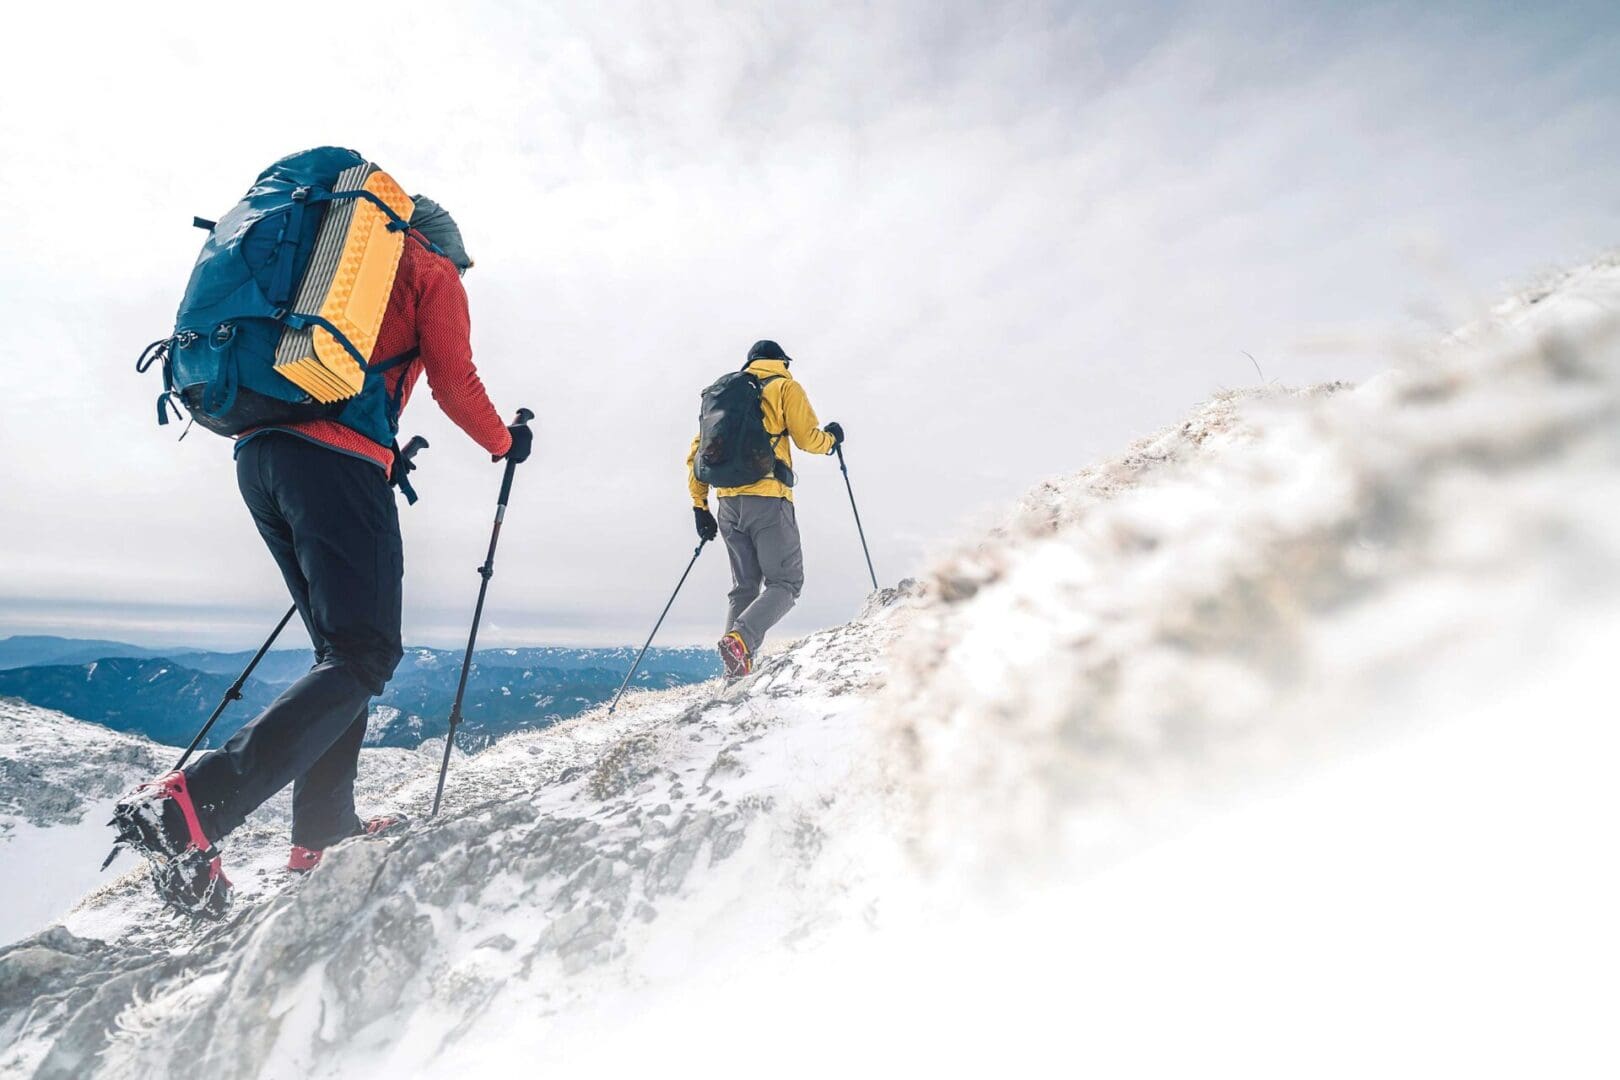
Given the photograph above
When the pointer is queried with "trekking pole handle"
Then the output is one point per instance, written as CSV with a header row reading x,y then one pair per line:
x,y
522,420
416,443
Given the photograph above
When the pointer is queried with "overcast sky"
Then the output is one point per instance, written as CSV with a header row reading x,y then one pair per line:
x,y
1000,239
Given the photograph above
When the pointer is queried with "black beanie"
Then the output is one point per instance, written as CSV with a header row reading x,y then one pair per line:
x,y
767,350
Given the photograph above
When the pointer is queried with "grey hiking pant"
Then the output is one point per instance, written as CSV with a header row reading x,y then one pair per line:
x,y
762,538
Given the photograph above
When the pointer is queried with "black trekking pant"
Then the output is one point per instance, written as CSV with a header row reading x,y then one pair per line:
x,y
330,522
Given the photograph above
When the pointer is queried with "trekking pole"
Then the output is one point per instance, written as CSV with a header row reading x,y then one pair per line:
x,y
486,572
845,470
235,692
695,553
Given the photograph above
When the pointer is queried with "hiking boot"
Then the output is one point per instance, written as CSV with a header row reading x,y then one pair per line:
x,y
159,821
734,654
302,859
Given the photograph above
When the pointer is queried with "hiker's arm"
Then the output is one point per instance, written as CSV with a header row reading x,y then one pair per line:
x,y
699,490
802,424
443,333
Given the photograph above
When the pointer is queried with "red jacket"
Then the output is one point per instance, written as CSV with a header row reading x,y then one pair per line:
x,y
428,311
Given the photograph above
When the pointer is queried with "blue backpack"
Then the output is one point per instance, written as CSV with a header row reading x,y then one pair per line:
x,y
220,361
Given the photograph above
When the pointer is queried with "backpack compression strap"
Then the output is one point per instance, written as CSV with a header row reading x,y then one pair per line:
x,y
395,222
396,397
281,287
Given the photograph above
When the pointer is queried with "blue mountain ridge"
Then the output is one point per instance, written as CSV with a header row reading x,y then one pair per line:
x,y
166,695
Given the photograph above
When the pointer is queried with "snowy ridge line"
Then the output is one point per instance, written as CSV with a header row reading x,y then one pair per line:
x,y
1281,573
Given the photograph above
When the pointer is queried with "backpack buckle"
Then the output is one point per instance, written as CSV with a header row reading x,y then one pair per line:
x,y
222,335
299,194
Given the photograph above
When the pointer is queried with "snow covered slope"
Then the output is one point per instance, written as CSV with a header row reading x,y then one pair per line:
x,y
1277,746
61,777
58,780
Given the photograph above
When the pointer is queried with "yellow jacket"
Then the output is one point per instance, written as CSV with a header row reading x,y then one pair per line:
x,y
786,407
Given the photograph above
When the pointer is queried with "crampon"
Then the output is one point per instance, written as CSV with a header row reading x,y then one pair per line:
x,y
159,822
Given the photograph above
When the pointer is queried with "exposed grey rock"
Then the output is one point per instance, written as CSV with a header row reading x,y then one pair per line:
x,y
33,967
726,844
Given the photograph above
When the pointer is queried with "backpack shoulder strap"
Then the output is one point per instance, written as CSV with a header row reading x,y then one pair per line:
x,y
776,436
396,397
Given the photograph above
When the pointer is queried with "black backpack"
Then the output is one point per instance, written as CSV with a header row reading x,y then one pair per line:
x,y
734,449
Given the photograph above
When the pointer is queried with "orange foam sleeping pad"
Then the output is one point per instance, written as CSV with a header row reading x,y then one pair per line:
x,y
357,297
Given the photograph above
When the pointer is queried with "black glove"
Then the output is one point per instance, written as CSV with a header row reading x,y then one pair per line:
x,y
836,430
707,527
522,443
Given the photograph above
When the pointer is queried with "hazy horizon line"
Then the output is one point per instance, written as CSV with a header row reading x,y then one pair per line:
x,y
232,629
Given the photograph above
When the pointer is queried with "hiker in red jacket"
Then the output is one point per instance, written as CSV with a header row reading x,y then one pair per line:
x,y
319,493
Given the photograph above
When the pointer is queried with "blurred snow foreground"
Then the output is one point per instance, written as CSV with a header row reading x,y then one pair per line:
x,y
1277,746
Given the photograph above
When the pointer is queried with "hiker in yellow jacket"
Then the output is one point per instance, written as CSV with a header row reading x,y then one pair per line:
x,y
757,521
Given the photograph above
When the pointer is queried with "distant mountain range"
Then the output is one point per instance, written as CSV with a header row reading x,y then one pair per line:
x,y
32,651
166,694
